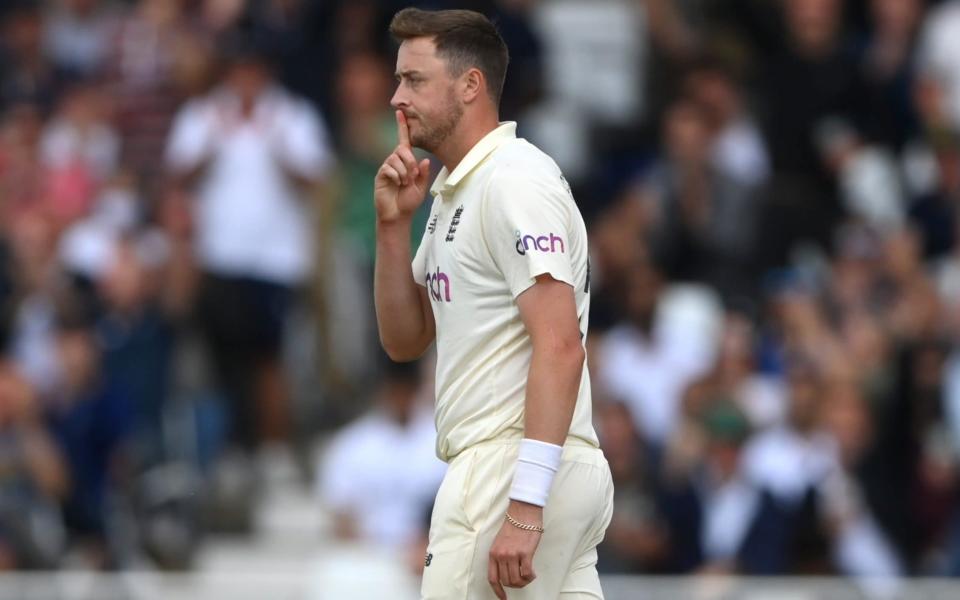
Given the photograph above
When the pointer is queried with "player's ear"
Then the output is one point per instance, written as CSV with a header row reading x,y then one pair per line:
x,y
472,85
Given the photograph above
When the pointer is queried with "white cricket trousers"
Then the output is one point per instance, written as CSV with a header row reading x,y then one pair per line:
x,y
469,512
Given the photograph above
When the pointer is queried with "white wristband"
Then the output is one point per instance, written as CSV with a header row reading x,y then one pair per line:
x,y
536,465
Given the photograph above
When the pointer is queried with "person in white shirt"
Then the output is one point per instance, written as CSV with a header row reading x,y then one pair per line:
x,y
379,474
251,152
501,280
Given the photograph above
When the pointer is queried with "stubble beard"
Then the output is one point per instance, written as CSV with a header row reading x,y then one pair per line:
x,y
431,136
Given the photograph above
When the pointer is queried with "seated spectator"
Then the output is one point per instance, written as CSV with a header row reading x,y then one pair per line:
x,y
141,75
77,35
939,67
734,378
26,74
33,480
79,135
643,367
23,176
91,419
137,341
380,474
822,523
637,539
719,521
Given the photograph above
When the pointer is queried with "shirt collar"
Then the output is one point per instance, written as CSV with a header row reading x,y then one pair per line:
x,y
487,144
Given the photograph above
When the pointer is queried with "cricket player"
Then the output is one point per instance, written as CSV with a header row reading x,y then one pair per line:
x,y
501,281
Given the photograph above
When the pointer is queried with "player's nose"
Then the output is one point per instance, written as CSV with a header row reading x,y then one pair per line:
x,y
399,99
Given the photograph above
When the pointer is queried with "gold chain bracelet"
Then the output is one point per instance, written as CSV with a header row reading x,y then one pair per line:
x,y
523,526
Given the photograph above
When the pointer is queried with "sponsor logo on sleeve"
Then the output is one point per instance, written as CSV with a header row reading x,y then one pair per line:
x,y
549,243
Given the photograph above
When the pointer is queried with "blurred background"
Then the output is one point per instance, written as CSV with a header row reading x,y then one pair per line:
x,y
191,388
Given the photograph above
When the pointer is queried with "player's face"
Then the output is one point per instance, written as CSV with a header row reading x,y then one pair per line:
x,y
426,93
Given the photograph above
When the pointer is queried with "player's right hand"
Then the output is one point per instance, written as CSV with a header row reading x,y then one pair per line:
x,y
401,182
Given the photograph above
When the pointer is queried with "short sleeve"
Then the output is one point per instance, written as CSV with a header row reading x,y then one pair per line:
x,y
526,223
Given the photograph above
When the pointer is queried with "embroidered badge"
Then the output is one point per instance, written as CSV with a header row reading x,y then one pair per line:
x,y
454,222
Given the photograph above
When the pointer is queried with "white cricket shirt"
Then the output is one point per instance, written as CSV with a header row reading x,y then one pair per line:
x,y
502,217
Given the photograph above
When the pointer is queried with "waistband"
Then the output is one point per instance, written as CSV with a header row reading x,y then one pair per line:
x,y
572,446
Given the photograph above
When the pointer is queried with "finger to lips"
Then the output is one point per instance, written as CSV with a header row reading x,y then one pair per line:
x,y
403,132
493,577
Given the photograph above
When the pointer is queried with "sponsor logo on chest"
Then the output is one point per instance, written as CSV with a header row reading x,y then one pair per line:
x,y
438,283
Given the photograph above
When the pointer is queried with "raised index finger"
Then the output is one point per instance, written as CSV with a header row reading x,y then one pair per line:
x,y
403,133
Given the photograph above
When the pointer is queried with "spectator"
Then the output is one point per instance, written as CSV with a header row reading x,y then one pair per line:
x,y
644,366
141,77
137,340
91,419
719,521
706,223
818,504
815,76
637,541
939,67
33,482
81,135
933,210
760,398
254,153
380,473
867,176
888,60
366,130
26,75
39,286
22,174
738,150
77,35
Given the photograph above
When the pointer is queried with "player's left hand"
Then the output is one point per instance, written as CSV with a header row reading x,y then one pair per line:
x,y
511,555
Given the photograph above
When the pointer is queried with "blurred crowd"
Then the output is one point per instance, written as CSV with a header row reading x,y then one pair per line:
x,y
772,191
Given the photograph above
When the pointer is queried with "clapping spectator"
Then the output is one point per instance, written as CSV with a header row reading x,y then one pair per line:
x,y
252,154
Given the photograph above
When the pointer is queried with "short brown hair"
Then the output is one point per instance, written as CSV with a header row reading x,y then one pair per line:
x,y
463,38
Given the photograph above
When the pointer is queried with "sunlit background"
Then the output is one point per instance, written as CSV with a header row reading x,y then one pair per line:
x,y
193,402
